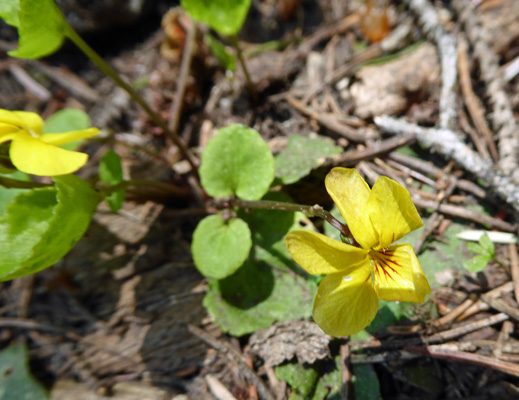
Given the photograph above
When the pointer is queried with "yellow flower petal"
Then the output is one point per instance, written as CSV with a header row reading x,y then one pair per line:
x,y
319,254
6,129
9,118
7,136
28,121
58,139
351,193
398,275
346,304
392,211
32,122
32,156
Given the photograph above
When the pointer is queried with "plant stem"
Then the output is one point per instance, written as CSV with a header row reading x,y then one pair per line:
x,y
16,184
241,59
310,211
103,66
160,186
183,77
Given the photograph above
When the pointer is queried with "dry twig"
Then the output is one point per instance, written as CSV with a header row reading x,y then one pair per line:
x,y
480,305
503,366
447,50
436,338
462,212
352,157
345,371
397,40
328,121
435,218
503,119
451,317
183,78
472,102
430,169
514,269
235,358
29,83
447,143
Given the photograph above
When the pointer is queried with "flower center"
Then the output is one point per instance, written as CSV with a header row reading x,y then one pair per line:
x,y
385,264
34,134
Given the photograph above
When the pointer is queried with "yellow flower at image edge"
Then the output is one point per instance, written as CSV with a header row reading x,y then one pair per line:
x,y
356,277
36,153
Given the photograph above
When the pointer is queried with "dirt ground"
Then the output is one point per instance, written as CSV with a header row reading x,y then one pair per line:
x,y
121,316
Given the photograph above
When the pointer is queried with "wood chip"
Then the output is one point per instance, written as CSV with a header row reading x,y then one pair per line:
x,y
285,340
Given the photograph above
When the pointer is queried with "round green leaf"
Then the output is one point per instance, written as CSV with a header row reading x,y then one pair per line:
x,y
22,225
255,296
40,226
116,199
9,12
237,161
42,29
16,381
224,16
110,168
302,155
478,263
220,51
220,248
66,120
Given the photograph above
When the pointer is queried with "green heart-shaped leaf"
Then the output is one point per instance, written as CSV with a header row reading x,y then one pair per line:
x,y
220,248
237,161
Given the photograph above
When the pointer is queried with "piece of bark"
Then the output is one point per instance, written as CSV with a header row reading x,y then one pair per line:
x,y
285,340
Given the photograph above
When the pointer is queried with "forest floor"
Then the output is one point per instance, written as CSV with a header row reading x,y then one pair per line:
x,y
433,105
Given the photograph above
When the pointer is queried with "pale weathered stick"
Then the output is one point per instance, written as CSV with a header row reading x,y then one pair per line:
x,y
502,116
446,43
446,143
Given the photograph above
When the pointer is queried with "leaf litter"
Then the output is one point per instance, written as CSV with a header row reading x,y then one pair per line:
x,y
117,308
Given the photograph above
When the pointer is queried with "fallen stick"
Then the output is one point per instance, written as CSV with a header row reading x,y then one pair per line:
x,y
446,143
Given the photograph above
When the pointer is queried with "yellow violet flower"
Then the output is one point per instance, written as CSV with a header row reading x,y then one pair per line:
x,y
356,277
36,153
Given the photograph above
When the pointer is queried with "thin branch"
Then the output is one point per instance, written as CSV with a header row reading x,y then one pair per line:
x,y
472,102
448,56
502,116
310,211
436,338
434,220
327,121
250,84
446,143
461,356
235,357
352,157
183,77
16,184
109,71
514,268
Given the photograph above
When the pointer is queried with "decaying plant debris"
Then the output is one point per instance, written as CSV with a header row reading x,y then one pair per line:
x,y
121,316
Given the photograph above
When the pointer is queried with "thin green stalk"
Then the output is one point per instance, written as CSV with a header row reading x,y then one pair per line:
x,y
103,66
183,78
167,188
310,211
241,59
16,184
